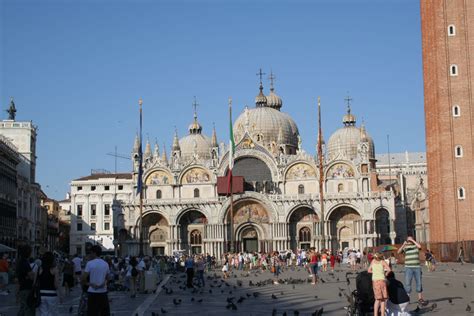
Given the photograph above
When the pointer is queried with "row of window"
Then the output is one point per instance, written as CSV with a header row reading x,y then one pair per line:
x,y
93,226
93,209
106,187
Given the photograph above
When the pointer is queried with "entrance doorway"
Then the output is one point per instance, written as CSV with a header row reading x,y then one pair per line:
x,y
196,250
158,251
250,239
344,245
250,244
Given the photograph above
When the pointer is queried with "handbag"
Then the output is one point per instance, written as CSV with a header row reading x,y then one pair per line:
x,y
273,269
34,297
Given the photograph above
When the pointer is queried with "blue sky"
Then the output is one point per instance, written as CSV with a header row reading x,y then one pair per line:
x,y
77,70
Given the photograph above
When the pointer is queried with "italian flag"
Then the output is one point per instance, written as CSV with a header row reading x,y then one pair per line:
x,y
231,149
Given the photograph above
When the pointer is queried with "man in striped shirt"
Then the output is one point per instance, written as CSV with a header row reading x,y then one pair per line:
x,y
411,249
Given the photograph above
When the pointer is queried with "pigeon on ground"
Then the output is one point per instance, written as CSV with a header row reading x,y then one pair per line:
x,y
433,307
464,284
468,308
200,300
296,313
274,312
163,311
70,309
274,297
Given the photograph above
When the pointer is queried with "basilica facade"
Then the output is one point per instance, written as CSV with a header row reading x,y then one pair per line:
x,y
280,207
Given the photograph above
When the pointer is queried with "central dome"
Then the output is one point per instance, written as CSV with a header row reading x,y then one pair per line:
x,y
268,127
195,144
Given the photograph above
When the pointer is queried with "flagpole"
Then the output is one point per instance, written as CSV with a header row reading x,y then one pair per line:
x,y
321,174
231,152
140,181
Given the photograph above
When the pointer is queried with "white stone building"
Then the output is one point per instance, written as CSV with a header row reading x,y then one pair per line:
x,y
23,136
280,208
92,217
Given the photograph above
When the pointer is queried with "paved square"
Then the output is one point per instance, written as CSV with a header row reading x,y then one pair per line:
x,y
451,288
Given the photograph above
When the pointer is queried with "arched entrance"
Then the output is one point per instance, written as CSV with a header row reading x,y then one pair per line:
x,y
382,226
249,239
155,234
303,217
251,222
344,223
191,231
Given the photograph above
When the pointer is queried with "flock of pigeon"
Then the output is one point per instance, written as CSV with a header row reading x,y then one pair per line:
x,y
238,294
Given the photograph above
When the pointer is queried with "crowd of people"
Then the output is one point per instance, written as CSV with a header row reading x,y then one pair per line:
x,y
44,282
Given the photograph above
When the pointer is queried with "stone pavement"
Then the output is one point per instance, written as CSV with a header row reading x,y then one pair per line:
x,y
450,283
451,288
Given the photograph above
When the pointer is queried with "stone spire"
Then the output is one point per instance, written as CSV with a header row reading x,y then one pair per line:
x,y
156,151
363,132
214,137
147,153
164,157
136,144
176,141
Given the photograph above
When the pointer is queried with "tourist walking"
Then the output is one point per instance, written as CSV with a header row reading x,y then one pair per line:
x,y
411,249
25,275
68,276
461,255
48,282
95,277
189,268
200,266
377,267
77,261
4,280
313,264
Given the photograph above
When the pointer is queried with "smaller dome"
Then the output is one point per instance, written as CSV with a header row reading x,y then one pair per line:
x,y
195,128
261,99
274,101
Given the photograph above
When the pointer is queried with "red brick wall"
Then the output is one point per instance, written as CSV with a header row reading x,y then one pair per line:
x,y
450,219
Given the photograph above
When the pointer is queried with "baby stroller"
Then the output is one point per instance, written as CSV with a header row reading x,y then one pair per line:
x,y
362,299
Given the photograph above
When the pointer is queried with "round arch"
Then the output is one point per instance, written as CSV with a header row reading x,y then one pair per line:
x,y
249,196
250,153
382,225
147,214
201,177
341,205
188,210
157,176
345,227
312,172
340,169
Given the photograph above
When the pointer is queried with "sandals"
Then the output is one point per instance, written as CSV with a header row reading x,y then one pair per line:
x,y
422,302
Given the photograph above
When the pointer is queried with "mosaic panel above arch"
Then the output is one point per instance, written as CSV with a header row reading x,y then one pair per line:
x,y
158,235
158,177
340,170
300,171
196,175
250,211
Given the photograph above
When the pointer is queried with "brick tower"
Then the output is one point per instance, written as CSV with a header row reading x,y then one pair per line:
x,y
448,64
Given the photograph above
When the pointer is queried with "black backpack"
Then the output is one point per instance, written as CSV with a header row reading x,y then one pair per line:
x,y
365,291
134,272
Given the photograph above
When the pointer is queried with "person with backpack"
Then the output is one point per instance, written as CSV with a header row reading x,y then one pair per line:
x,y
48,283
25,275
68,275
377,267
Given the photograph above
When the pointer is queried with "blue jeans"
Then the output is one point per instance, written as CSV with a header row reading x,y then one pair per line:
x,y
411,273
